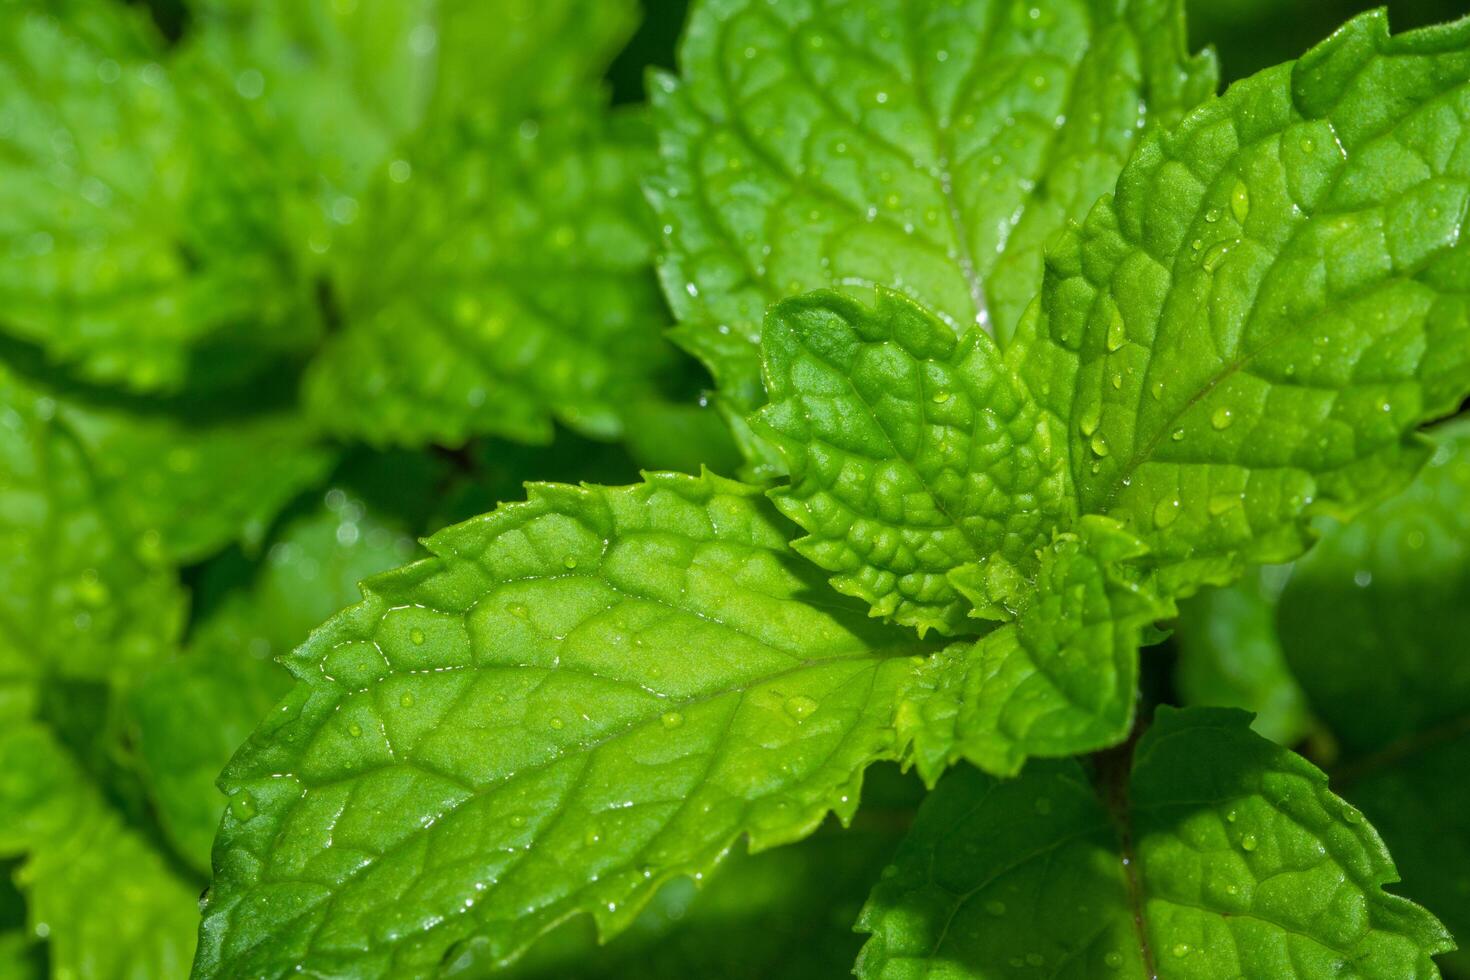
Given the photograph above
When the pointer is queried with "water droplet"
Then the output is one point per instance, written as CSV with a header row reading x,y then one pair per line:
x,y
799,706
406,699
1157,390
1113,959
1117,332
1177,435
1181,949
557,724
1217,254
1099,445
1091,419
672,719
354,729
570,561
1362,578
518,610
1212,215
517,820
1240,201
243,806
593,837
417,636
1248,842
995,907
940,397
1222,418
1166,512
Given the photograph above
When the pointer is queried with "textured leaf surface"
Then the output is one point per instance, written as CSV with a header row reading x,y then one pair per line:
x,y
929,146
577,699
1373,622
190,715
783,914
1230,656
499,278
126,250
107,903
1060,680
1239,862
80,595
912,453
1250,331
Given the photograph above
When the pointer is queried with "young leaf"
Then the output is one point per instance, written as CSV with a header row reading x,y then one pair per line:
x,y
930,146
1251,330
80,594
110,215
913,453
455,287
107,903
1219,854
578,698
1060,680
189,715
1230,656
1373,622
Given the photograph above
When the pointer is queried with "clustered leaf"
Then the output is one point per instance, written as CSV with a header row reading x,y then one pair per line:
x,y
1211,853
929,147
1027,340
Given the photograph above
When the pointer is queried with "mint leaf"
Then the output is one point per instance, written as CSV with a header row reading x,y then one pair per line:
x,y
81,594
188,716
195,486
83,865
1373,622
913,453
126,254
783,914
454,288
577,699
1252,328
1214,854
1060,680
1230,656
928,146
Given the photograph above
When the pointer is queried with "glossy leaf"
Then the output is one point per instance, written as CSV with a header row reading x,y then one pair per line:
x,y
189,715
928,146
913,454
577,699
1061,679
1214,853
1251,330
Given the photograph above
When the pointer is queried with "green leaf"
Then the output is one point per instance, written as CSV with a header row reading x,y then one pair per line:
x,y
1215,853
1060,680
784,914
1230,656
1373,623
455,287
129,250
913,453
188,716
81,594
578,698
108,905
1251,330
929,146
194,488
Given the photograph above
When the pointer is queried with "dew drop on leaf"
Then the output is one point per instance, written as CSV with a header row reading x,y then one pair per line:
x,y
672,719
243,806
1222,418
799,706
1240,201
1166,512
